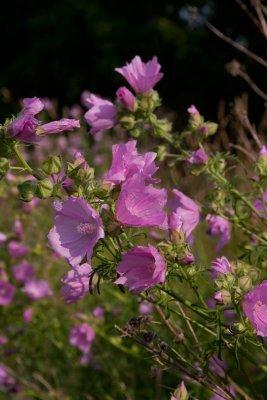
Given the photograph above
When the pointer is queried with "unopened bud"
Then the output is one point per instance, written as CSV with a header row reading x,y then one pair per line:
x,y
223,297
127,122
208,128
180,393
44,188
149,101
52,165
245,283
27,190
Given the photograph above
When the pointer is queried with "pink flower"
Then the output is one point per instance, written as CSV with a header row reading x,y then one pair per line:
x,y
192,110
263,151
261,204
184,215
198,157
27,315
3,238
77,229
141,268
30,206
98,312
139,205
126,98
23,271
76,283
17,249
62,125
82,337
32,105
141,76
3,340
255,308
220,266
7,382
18,228
101,115
6,293
217,366
145,307
126,162
37,289
221,227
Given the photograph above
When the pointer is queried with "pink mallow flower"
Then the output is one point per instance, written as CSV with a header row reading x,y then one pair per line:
x,y
220,266
6,293
37,289
141,205
77,229
192,110
184,215
141,268
17,249
219,226
101,115
126,98
63,125
255,308
23,272
126,162
198,157
82,337
76,283
145,307
141,76
98,312
27,315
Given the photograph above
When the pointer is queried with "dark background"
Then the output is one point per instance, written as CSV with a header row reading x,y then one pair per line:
x,y
59,48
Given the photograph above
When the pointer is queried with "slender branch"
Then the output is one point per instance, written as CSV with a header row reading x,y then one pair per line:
x,y
253,85
249,13
263,24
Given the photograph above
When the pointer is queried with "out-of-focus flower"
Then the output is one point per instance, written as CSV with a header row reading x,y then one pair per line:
x,y
255,308
141,268
192,110
27,315
82,337
141,76
126,162
126,98
3,238
140,205
29,206
98,312
77,229
184,215
198,157
23,272
101,115
261,204
17,249
7,382
220,266
63,125
18,228
3,340
6,293
76,283
221,227
217,366
145,307
37,289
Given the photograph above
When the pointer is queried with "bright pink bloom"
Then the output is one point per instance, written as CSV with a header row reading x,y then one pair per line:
x,y
76,283
17,249
27,315
126,162
62,125
192,110
139,205
6,293
126,98
77,229
218,297
141,268
255,308
221,227
198,157
141,76
23,271
102,114
37,289
184,215
220,266
82,337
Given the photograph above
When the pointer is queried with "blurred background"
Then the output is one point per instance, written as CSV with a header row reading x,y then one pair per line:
x,y
60,48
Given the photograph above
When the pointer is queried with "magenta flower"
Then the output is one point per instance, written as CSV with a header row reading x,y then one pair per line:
x,y
98,312
126,98
126,162
17,249
145,307
219,226
220,266
32,105
102,114
60,126
7,382
139,205
76,283
141,76
6,293
261,204
23,272
82,337
192,110
27,315
37,289
263,151
141,268
184,215
198,157
255,308
17,228
77,229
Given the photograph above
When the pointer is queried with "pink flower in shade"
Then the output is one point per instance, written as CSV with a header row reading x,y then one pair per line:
x,y
220,266
17,249
192,110
126,98
23,271
82,337
60,126
217,366
126,162
255,308
18,229
98,312
6,293
3,238
145,308
221,227
101,115
141,76
27,315
76,283
32,105
3,340
37,289
139,205
218,297
77,229
198,157
30,206
184,215
141,268
7,382
263,151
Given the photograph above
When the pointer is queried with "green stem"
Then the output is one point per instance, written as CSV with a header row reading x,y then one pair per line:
x,y
22,161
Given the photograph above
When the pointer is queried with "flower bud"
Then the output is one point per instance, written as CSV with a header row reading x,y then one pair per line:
x,y
180,393
126,98
223,297
245,283
44,188
27,190
262,162
208,128
4,166
52,165
149,101
127,122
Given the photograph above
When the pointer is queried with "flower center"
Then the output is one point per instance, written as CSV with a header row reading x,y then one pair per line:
x,y
86,228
